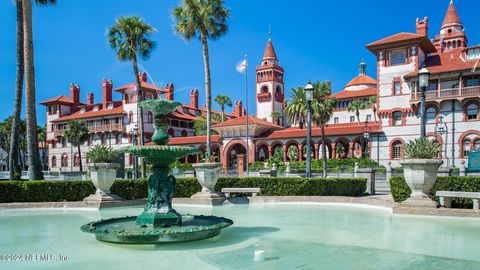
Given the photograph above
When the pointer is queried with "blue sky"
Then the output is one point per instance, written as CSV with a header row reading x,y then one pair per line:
x,y
322,40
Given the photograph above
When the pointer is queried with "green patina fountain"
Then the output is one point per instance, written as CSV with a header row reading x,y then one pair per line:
x,y
159,222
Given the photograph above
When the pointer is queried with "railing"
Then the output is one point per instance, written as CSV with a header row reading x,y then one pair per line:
x,y
93,129
449,93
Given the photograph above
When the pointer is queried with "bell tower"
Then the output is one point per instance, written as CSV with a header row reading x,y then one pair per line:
x,y
269,87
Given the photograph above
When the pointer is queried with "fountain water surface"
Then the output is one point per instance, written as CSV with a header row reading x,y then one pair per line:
x,y
159,222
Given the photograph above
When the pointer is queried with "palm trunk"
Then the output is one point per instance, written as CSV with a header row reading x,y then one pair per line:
x,y
324,152
223,113
139,111
358,115
80,158
375,113
13,163
207,90
34,167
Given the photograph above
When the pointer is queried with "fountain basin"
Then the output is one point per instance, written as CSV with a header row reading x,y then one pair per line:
x,y
125,230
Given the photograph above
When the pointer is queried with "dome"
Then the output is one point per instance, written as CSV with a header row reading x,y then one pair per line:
x,y
362,80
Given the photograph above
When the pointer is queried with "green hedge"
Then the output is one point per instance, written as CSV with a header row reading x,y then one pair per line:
x,y
56,191
401,191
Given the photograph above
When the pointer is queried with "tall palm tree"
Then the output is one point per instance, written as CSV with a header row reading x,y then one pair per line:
x,y
356,106
296,109
322,110
275,115
34,165
130,38
205,19
77,134
223,101
372,101
13,162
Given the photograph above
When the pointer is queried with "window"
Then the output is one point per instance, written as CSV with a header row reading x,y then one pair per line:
x,y
397,118
369,118
54,161
397,58
397,150
432,86
335,120
352,119
431,114
264,89
466,147
149,117
90,139
476,145
118,138
472,82
396,88
64,142
64,160
130,117
76,160
472,111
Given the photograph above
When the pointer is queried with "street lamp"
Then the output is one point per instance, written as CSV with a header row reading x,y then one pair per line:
x,y
442,128
133,134
309,97
366,135
423,80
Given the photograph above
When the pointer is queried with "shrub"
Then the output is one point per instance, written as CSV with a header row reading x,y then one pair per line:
x,y
422,148
401,191
102,154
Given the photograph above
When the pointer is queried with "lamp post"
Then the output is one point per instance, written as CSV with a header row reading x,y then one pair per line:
x,y
366,135
442,128
423,80
134,133
309,98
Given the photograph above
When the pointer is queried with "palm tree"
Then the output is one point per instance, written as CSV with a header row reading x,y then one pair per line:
x,y
372,101
223,101
77,134
297,107
34,165
322,110
42,138
205,19
275,115
130,38
356,106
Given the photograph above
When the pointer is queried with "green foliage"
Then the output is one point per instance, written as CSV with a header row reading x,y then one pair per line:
x,y
200,124
401,191
77,132
422,148
44,191
102,154
292,152
181,166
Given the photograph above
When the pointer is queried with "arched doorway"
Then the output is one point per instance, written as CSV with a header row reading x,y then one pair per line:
x,y
232,155
262,153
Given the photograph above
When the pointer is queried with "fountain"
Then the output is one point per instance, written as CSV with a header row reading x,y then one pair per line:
x,y
159,222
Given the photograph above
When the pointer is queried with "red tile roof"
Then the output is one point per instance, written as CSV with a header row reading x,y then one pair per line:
x,y
402,39
242,121
145,86
190,140
451,17
182,115
60,99
335,129
361,80
356,93
453,60
269,51
89,113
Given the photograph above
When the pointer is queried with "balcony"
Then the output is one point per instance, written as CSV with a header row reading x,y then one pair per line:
x,y
445,94
94,129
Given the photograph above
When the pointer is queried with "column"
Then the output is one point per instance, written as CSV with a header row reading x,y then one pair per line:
x,y
300,152
334,150
240,163
315,154
351,149
285,153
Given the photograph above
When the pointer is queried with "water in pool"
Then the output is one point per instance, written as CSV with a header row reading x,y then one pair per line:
x,y
292,236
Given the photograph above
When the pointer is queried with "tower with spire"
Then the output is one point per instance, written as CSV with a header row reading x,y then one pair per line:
x,y
452,34
269,87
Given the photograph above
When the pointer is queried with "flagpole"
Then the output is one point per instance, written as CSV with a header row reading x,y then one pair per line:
x,y
246,106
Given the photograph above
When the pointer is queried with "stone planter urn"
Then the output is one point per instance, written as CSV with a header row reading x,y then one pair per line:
x,y
420,175
207,175
102,176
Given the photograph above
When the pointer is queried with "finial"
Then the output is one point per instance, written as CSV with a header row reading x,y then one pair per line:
x,y
451,2
269,32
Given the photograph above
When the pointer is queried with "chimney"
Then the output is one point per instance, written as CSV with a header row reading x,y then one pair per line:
x,y
90,99
194,98
75,95
244,111
106,92
422,26
237,109
143,77
169,88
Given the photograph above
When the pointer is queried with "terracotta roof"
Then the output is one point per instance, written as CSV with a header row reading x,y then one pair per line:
x,y
240,121
182,115
193,140
447,62
361,80
89,113
205,109
335,129
59,99
451,17
402,39
145,86
269,51
356,93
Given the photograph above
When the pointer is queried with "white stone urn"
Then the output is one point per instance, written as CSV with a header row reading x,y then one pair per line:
x,y
420,175
207,175
103,176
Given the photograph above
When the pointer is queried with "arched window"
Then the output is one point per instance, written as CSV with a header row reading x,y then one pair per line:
x,y
64,160
264,89
278,90
397,118
476,145
76,160
130,117
118,138
149,117
397,58
466,147
54,161
472,111
103,138
397,150
431,114
64,142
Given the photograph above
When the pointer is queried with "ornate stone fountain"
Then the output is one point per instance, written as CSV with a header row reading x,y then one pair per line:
x,y
159,222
